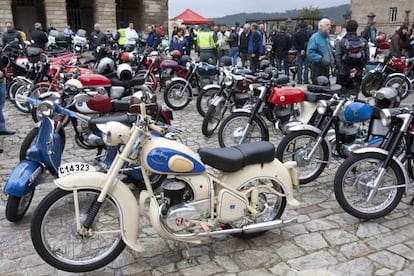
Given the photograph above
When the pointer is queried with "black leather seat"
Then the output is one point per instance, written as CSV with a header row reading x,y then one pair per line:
x,y
324,89
120,105
314,97
140,80
235,158
124,119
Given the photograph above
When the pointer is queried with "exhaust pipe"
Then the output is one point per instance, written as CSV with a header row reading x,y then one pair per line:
x,y
257,227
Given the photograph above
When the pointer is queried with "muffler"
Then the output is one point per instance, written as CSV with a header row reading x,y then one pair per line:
x,y
257,227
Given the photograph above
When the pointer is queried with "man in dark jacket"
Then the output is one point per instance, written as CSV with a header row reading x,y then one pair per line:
x,y
39,36
350,71
281,46
398,41
11,35
244,44
299,42
153,37
97,37
255,48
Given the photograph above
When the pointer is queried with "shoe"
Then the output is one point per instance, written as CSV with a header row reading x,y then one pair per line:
x,y
7,132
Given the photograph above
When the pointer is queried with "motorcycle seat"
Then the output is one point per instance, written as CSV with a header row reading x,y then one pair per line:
x,y
232,159
324,89
120,105
315,97
126,119
140,80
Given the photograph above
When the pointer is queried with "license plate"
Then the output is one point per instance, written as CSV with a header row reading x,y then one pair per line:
x,y
75,167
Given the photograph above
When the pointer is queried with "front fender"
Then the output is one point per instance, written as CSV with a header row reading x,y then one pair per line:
x,y
304,127
179,79
284,174
386,153
211,86
24,178
120,193
400,75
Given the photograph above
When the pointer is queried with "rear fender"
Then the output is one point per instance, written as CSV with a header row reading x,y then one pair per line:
x,y
120,193
24,178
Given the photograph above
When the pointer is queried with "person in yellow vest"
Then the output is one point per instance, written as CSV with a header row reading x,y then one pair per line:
x,y
120,37
22,34
206,45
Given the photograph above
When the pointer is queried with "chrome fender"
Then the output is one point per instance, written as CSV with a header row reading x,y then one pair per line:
x,y
386,153
180,79
217,100
211,86
122,196
399,75
307,109
285,175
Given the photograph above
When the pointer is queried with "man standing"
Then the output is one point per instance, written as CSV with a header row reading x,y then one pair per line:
x,y
351,56
319,51
68,33
11,35
281,46
244,44
223,46
206,45
39,36
121,36
300,41
256,48
131,37
398,41
370,33
3,129
234,45
97,37
153,37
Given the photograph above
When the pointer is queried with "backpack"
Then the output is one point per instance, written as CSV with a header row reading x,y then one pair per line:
x,y
354,51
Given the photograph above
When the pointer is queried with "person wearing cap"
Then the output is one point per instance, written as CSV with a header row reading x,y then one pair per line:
x,y
39,36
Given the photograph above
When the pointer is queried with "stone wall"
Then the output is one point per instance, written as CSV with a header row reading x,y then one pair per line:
x,y
5,12
105,14
155,13
56,14
361,8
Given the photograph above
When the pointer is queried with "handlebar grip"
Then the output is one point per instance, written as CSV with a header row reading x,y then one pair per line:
x,y
157,129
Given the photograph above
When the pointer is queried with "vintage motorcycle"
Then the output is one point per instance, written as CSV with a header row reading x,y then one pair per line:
x,y
403,82
340,126
96,215
371,182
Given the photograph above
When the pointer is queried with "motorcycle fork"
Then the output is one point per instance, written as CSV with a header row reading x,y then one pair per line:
x,y
112,173
248,128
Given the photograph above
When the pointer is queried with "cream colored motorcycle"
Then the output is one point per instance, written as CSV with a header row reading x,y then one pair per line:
x,y
86,222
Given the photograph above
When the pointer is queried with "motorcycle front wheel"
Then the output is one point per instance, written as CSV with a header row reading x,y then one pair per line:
x,y
16,207
402,85
177,95
57,240
235,129
213,118
204,100
22,105
352,186
371,83
296,146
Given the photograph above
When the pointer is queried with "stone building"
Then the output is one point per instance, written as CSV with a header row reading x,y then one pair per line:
x,y
83,14
388,14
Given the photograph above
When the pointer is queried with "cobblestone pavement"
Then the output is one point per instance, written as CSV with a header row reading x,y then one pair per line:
x,y
325,241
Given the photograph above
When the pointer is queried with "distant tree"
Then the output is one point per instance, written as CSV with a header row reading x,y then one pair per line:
x,y
310,12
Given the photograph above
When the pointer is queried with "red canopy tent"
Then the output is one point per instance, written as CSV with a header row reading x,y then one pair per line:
x,y
190,17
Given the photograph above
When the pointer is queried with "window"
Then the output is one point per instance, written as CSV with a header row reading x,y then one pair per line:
x,y
392,16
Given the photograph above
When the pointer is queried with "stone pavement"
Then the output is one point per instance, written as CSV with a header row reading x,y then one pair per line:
x,y
325,241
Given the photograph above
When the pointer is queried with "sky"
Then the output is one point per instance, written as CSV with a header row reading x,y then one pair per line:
x,y
219,8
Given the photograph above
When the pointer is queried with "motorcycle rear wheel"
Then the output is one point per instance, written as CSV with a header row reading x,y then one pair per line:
x,y
60,244
351,186
16,207
204,100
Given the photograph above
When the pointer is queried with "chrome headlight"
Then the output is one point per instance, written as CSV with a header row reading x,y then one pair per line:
x,y
188,66
322,106
228,81
46,108
385,116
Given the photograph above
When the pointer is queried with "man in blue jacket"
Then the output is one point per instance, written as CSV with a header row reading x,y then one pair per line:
x,y
255,47
319,51
153,37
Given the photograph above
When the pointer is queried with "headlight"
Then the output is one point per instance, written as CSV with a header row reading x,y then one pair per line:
x,y
322,107
228,81
385,116
188,66
46,108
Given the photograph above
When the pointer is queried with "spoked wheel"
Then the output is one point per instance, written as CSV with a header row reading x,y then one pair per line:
x,y
61,244
22,106
270,205
177,95
11,90
371,83
296,146
353,186
17,207
204,100
235,130
402,85
213,118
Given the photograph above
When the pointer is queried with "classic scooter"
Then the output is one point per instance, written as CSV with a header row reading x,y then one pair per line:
x,y
90,218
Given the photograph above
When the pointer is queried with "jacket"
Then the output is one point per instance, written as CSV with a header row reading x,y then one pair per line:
x,y
10,36
40,38
397,44
300,40
205,40
122,40
177,44
340,51
281,44
319,49
153,39
97,38
256,43
244,42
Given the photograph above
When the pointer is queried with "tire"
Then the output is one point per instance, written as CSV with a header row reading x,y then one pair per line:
x,y
371,83
402,85
213,118
175,97
57,241
204,99
231,130
16,207
22,106
277,207
350,196
288,151
11,91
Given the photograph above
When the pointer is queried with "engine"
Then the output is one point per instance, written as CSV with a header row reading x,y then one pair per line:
x,y
177,213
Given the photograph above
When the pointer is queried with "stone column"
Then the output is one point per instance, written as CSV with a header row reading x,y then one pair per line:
x,y
105,14
5,13
56,14
155,12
